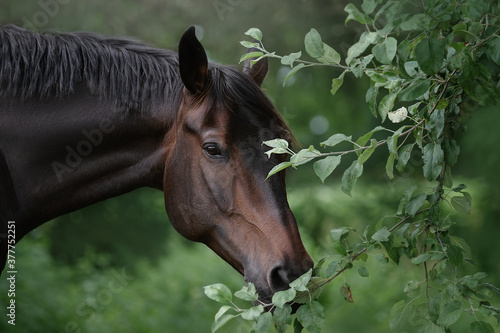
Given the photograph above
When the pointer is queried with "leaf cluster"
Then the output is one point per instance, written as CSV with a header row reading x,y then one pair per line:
x,y
430,65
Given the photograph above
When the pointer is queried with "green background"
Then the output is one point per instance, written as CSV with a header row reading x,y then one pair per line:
x,y
119,266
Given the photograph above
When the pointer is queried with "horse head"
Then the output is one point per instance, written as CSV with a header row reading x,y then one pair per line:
x,y
215,185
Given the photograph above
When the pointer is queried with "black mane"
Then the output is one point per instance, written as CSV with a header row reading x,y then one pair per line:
x,y
132,76
128,73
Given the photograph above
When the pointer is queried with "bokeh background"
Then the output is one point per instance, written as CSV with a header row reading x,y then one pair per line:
x,y
119,266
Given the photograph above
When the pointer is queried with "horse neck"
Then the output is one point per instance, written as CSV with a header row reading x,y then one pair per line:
x,y
67,154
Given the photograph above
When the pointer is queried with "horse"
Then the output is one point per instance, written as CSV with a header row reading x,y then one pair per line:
x,y
84,117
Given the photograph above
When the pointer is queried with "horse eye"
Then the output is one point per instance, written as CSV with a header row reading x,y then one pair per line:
x,y
212,149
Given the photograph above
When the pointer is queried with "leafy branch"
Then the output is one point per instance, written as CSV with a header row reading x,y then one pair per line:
x,y
430,64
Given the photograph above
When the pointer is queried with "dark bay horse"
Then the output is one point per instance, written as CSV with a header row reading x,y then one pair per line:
x,y
84,118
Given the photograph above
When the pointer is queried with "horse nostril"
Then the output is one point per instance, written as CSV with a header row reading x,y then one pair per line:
x,y
279,279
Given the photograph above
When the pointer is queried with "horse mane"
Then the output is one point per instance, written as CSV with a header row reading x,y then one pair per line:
x,y
131,75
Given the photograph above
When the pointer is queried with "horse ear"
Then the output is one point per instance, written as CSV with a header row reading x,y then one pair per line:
x,y
193,62
258,71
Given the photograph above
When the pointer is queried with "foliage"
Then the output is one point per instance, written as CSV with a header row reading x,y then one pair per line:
x,y
144,297
97,231
437,61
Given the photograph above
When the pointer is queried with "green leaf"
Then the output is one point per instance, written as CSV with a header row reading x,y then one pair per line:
x,y
292,72
382,235
263,323
412,68
280,298
218,292
451,151
254,33
450,313
291,58
311,316
414,204
392,141
435,125
250,55
371,99
433,157
276,150
461,243
462,204
282,318
339,248
355,14
276,143
314,44
435,308
330,56
332,268
368,6
389,166
430,54
415,22
405,199
247,293
386,51
459,188
386,105
378,79
336,139
421,258
337,83
412,288
351,176
415,90
363,271
338,233
491,287
364,139
365,155
324,167
366,39
278,168
399,314
304,156
392,251
430,327
253,313
455,255
481,327
221,321
494,46
300,284
469,281
249,45
442,104
222,311
404,156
